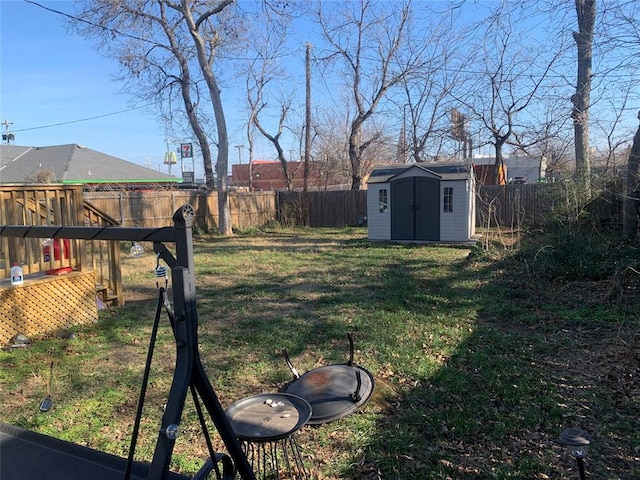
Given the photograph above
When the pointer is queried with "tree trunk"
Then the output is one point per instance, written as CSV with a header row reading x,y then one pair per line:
x,y
283,163
276,143
222,162
498,166
631,204
190,106
586,12
250,142
354,153
356,179
307,118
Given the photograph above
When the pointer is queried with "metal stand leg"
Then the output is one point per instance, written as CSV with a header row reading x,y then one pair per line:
x,y
293,459
278,460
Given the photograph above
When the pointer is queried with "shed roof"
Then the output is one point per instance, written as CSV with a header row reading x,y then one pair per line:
x,y
72,163
444,170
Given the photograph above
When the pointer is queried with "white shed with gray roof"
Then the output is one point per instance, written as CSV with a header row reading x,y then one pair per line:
x,y
431,203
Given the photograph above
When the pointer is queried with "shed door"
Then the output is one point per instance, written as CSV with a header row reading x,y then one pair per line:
x,y
415,209
427,209
402,218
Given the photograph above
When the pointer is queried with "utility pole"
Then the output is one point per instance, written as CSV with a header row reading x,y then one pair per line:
x,y
7,136
307,136
240,147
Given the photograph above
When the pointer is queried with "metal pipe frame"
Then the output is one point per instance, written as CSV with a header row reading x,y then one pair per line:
x,y
188,366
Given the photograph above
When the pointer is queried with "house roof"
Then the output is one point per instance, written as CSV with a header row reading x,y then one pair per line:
x,y
71,164
444,170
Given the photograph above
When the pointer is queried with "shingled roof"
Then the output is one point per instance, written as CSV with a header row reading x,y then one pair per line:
x,y
71,164
445,170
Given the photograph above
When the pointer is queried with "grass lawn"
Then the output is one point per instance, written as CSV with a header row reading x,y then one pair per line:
x,y
479,363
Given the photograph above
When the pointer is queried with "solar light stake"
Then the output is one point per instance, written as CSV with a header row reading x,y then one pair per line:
x,y
47,403
580,463
576,441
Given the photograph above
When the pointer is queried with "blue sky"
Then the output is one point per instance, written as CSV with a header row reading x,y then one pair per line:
x,y
57,89
49,76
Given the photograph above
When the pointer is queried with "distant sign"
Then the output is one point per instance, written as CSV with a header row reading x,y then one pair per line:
x,y
186,150
187,177
170,158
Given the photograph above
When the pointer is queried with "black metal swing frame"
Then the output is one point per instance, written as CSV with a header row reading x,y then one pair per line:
x,y
189,372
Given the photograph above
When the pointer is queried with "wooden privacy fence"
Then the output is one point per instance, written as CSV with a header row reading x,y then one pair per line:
x,y
326,209
514,205
531,204
151,208
496,205
155,208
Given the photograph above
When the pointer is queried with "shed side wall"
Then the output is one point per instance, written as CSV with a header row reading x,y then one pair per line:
x,y
379,224
454,226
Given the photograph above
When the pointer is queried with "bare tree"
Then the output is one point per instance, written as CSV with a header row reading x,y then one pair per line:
x,y
424,99
425,120
613,135
275,139
366,37
511,82
307,123
265,76
249,133
330,148
165,47
549,136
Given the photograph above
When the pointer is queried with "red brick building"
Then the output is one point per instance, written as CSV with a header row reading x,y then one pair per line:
x,y
267,175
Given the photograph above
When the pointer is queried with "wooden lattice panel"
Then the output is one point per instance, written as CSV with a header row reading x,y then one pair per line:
x,y
48,303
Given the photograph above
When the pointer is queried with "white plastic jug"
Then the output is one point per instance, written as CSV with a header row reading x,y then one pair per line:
x,y
16,275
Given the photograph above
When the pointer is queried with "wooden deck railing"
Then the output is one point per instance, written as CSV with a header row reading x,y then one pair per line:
x,y
103,257
63,205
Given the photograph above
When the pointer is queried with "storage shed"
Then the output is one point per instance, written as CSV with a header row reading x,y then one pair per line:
x,y
430,202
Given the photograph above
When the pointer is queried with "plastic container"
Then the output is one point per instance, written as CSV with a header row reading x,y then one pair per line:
x,y
60,249
16,275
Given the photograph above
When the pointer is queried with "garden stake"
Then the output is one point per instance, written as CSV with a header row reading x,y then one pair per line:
x,y
47,403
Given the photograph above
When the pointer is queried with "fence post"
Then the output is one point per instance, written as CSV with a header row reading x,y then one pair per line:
x,y
121,208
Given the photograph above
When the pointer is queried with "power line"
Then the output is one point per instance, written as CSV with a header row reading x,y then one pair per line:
x,y
79,19
81,120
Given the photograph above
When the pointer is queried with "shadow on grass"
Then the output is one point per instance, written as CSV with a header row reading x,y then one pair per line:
x,y
496,402
476,376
